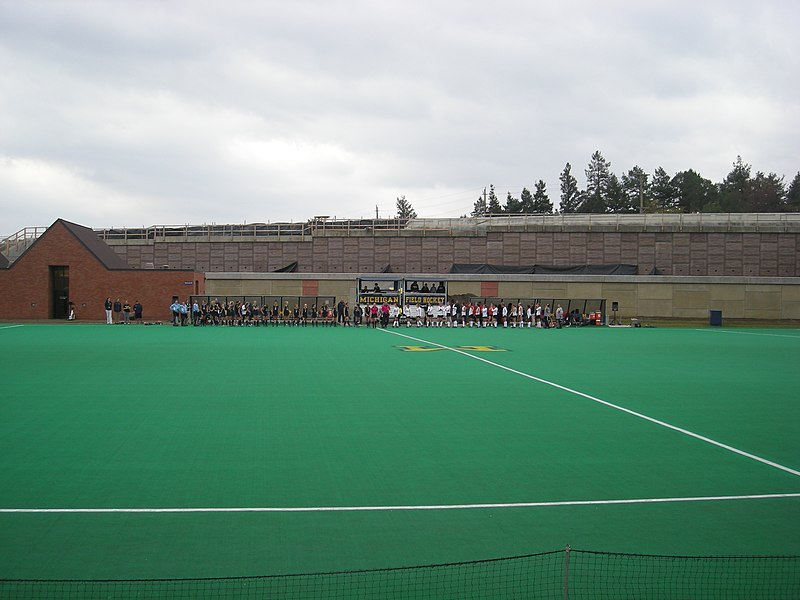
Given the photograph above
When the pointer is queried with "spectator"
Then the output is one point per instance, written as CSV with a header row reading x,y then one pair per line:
x,y
195,313
109,307
175,308
117,310
137,311
184,313
340,311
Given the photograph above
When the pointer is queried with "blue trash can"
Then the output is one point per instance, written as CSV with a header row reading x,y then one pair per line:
x,y
715,318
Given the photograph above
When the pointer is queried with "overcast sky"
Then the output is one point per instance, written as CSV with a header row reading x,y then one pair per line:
x,y
139,113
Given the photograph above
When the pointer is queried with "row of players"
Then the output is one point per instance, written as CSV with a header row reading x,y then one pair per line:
x,y
483,315
452,314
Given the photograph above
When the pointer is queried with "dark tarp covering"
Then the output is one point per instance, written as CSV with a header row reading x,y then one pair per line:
x,y
387,269
290,268
587,270
484,269
3,262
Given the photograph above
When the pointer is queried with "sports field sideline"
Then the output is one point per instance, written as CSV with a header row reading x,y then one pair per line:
x,y
218,452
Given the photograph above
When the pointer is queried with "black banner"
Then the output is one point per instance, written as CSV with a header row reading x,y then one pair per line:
x,y
379,298
425,299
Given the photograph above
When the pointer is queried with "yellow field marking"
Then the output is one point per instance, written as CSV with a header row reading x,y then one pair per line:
x,y
437,348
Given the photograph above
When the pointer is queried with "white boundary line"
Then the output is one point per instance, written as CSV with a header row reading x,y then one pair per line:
x,y
402,507
10,326
792,337
609,404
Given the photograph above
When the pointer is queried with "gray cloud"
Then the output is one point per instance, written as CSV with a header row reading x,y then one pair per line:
x,y
140,113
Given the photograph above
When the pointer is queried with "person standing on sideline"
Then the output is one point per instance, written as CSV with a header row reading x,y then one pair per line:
x,y
117,310
109,306
340,312
137,311
126,313
559,317
175,307
195,313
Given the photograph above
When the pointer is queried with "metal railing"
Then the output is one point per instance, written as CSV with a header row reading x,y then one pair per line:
x,y
252,230
675,222
631,222
17,243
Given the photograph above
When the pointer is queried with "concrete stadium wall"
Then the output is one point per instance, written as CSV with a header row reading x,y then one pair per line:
x,y
638,296
698,253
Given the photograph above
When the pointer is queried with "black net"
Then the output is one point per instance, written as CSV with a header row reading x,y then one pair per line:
x,y
533,576
616,576
562,574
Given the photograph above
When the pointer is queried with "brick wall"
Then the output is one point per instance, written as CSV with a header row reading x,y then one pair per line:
x,y
25,287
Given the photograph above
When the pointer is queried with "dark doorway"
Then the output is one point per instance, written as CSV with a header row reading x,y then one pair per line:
x,y
59,287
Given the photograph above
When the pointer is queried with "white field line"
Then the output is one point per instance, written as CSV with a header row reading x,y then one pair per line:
x,y
609,404
10,326
794,337
291,509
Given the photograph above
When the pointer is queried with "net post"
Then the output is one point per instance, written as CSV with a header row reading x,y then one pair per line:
x,y
566,571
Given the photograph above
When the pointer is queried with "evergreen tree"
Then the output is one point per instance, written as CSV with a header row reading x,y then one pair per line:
x,y
618,200
513,205
479,208
526,200
404,209
598,174
793,194
664,194
636,186
493,204
768,193
570,194
736,190
541,201
695,193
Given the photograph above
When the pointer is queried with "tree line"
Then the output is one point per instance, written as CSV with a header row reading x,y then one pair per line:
x,y
638,191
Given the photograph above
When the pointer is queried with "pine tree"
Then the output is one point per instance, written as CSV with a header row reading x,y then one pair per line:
x,y
526,200
663,192
570,194
793,194
695,193
541,201
513,205
479,208
493,204
618,200
598,173
637,189
768,193
736,190
404,209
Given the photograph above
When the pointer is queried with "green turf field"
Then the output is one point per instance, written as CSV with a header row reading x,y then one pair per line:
x,y
102,417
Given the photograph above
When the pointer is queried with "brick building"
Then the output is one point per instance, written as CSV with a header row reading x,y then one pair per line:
x,y
69,263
